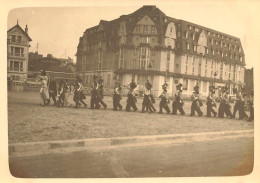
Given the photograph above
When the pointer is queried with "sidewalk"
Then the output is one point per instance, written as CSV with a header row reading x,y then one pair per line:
x,y
50,147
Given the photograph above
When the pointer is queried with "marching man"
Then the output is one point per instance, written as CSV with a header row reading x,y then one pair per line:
x,y
178,102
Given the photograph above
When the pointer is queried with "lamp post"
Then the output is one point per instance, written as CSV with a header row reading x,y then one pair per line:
x,y
215,74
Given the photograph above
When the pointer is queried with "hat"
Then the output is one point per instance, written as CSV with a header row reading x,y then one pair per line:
x,y
179,85
196,88
148,85
43,72
133,84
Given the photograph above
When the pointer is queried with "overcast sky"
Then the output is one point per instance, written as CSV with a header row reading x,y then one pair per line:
x,y
59,29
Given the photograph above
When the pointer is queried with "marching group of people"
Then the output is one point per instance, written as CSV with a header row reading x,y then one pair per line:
x,y
49,90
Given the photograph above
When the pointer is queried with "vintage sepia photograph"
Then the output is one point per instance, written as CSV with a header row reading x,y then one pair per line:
x,y
142,90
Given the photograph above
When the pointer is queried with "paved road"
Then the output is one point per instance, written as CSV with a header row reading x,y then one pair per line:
x,y
215,158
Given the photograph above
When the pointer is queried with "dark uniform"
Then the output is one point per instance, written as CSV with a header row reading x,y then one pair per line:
x,y
178,102
53,90
94,91
237,102
131,100
196,102
61,94
117,96
79,94
224,106
149,86
100,95
211,103
164,102
147,101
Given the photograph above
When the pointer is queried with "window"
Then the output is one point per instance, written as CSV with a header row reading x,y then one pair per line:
x,y
177,66
121,58
193,36
206,67
221,44
241,58
199,68
221,70
13,38
213,52
211,67
217,43
167,66
19,39
188,46
234,73
229,46
211,41
137,29
185,84
134,63
190,27
153,52
207,50
208,33
193,65
145,39
186,34
165,20
145,28
153,29
239,49
168,55
229,71
16,66
197,30
186,64
144,58
222,54
178,34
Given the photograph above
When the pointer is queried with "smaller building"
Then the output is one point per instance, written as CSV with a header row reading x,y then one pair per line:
x,y
60,68
17,53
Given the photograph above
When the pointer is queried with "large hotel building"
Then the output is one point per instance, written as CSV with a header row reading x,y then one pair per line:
x,y
147,44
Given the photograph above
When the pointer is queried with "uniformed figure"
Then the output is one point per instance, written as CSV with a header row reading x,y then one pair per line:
x,y
147,101
149,86
100,95
237,102
196,102
242,112
94,89
61,96
53,90
177,101
251,106
164,102
117,96
224,106
79,94
131,100
211,102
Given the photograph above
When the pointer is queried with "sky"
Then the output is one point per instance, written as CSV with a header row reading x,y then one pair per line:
x,y
57,29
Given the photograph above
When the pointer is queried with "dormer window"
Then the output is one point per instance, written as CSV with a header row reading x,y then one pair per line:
x,y
186,34
188,46
190,27
197,30
208,33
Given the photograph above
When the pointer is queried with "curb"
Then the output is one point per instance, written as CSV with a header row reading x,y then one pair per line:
x,y
50,147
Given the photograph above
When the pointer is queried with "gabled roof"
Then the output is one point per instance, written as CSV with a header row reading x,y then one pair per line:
x,y
18,26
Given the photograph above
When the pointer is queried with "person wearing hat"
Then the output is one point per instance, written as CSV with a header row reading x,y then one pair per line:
x,y
164,102
147,103
117,96
79,94
99,94
237,101
251,106
60,94
196,103
242,112
44,93
131,100
224,107
94,89
178,102
44,88
149,86
211,102
53,89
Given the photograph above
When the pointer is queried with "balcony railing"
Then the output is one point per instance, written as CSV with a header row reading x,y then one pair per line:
x,y
15,69
17,42
16,54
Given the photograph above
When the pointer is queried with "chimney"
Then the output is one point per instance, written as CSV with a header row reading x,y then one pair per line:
x,y
26,29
